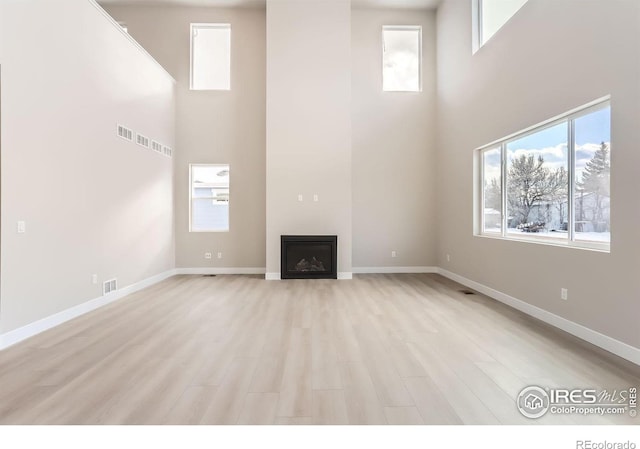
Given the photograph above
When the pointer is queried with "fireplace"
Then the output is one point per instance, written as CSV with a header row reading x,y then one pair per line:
x,y
308,256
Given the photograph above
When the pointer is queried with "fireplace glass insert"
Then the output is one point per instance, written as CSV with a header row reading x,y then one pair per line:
x,y
308,257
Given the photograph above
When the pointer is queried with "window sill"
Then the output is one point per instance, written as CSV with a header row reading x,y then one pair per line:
x,y
191,89
212,230
550,241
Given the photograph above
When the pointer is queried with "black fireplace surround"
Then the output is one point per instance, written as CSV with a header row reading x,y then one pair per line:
x,y
308,256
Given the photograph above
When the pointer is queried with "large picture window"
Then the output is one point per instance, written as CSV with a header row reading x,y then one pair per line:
x,y
209,198
552,182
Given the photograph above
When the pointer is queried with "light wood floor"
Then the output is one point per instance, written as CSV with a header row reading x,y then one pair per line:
x,y
380,349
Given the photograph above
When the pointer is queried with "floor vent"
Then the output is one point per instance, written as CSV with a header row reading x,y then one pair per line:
x,y
109,286
125,133
467,292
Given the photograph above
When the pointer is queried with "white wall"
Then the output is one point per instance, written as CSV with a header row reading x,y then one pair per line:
x,y
216,127
309,123
552,56
93,203
393,148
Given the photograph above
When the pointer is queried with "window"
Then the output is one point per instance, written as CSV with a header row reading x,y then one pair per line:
x,y
209,198
401,58
551,182
490,16
210,56
492,185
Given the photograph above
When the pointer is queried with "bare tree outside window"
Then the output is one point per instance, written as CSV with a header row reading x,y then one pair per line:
x,y
551,181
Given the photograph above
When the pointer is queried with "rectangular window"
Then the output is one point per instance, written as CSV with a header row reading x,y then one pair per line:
x,y
491,185
552,182
401,58
490,16
210,56
592,172
538,182
209,198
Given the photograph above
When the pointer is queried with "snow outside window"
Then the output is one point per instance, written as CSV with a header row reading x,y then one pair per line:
x,y
551,183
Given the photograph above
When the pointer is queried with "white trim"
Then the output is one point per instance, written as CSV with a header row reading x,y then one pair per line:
x,y
22,333
373,270
113,21
605,342
476,26
345,275
220,270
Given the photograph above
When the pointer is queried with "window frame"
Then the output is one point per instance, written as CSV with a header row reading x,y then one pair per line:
x,y
479,216
192,198
481,152
417,28
192,27
477,31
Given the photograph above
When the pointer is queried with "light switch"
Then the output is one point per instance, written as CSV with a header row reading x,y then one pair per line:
x,y
299,197
315,197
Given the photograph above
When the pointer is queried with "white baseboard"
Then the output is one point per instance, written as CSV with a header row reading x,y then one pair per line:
x,y
610,344
605,342
220,270
381,270
22,333
345,275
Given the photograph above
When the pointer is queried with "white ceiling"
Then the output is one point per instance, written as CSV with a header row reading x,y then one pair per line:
x,y
418,4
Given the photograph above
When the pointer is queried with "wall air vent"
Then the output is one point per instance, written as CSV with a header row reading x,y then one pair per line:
x,y
168,152
156,146
125,133
142,140
109,286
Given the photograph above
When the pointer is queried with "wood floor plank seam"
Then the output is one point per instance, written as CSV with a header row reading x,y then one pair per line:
x,y
235,349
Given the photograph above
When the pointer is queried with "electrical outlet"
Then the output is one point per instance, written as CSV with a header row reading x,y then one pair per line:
x,y
219,255
564,294
315,197
207,255
393,254
94,279
448,258
300,197
22,227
